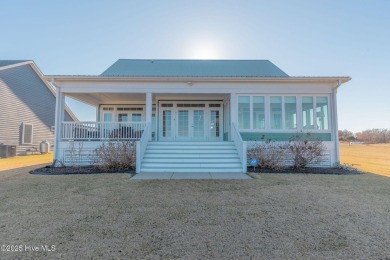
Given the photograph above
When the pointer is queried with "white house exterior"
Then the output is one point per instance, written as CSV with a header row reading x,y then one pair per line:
x,y
195,115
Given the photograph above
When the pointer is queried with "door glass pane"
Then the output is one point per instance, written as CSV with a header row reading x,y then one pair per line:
x,y
322,113
307,113
290,109
214,123
154,125
198,123
107,117
276,112
167,123
122,118
258,113
183,128
243,113
136,117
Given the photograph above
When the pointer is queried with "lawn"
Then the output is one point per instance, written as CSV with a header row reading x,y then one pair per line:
x,y
373,158
280,216
25,160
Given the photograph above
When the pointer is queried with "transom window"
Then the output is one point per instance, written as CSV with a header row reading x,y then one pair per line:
x,y
283,112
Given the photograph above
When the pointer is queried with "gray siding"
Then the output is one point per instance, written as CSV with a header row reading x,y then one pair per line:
x,y
24,98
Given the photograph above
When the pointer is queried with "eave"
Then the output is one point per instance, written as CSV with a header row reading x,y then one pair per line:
x,y
64,78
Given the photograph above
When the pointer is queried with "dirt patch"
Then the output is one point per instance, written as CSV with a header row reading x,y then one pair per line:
x,y
308,170
48,170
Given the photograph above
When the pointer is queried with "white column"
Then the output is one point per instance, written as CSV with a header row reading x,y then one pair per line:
x,y
335,127
59,118
148,115
233,112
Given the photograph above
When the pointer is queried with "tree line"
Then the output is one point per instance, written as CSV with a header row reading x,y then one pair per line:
x,y
370,136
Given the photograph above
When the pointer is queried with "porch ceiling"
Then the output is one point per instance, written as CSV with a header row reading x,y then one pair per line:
x,y
95,99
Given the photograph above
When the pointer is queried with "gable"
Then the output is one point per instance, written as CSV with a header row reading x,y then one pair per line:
x,y
193,68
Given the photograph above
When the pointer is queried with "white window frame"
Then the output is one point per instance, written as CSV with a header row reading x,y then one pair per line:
x,y
115,112
23,132
267,111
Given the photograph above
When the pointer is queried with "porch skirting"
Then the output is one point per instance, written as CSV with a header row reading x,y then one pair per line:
x,y
75,153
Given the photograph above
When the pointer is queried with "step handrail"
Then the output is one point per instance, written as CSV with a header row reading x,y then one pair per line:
x,y
141,147
241,147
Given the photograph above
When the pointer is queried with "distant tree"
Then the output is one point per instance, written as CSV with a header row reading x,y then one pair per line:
x,y
346,135
374,136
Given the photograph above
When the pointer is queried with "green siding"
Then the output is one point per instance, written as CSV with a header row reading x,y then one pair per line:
x,y
250,136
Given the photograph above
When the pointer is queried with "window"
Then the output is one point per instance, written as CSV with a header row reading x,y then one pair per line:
x,y
107,117
276,112
136,117
287,113
27,134
122,117
322,113
307,112
244,112
258,112
290,112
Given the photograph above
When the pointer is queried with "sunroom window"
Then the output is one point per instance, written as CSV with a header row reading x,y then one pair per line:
x,y
258,112
290,112
322,113
283,113
307,112
276,112
244,112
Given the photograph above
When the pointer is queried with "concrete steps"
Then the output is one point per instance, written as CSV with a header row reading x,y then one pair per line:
x,y
191,157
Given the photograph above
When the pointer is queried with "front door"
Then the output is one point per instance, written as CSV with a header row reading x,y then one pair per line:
x,y
190,122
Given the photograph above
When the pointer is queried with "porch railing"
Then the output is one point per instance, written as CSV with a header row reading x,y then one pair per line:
x,y
141,146
94,131
240,146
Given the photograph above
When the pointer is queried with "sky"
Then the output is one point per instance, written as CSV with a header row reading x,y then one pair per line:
x,y
303,38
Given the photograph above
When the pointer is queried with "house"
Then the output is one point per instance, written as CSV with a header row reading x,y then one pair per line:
x,y
27,106
196,115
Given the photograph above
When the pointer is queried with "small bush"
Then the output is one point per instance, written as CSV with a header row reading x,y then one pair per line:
x,y
305,150
269,155
116,155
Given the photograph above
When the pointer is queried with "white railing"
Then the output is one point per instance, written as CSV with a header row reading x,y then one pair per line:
x,y
141,146
240,146
93,131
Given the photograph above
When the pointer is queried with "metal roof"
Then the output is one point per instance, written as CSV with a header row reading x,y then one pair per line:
x,y
193,68
4,63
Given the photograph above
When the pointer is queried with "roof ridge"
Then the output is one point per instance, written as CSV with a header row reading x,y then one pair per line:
x,y
196,59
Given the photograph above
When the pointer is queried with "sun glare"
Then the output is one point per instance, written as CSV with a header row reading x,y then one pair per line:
x,y
203,49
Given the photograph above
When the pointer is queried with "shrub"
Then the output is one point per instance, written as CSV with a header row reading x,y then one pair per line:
x,y
305,150
269,155
116,155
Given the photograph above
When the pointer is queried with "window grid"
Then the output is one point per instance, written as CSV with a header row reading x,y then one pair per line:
x,y
321,109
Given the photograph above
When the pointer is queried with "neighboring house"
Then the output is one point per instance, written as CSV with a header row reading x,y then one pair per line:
x,y
27,106
196,115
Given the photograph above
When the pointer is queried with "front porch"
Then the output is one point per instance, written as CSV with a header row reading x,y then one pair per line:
x,y
145,118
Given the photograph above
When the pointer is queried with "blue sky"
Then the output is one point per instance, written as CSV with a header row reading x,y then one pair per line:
x,y
303,38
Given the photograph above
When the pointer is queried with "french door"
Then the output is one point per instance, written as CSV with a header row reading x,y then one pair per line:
x,y
191,122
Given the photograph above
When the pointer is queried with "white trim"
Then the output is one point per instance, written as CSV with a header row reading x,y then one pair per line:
x,y
16,65
194,80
